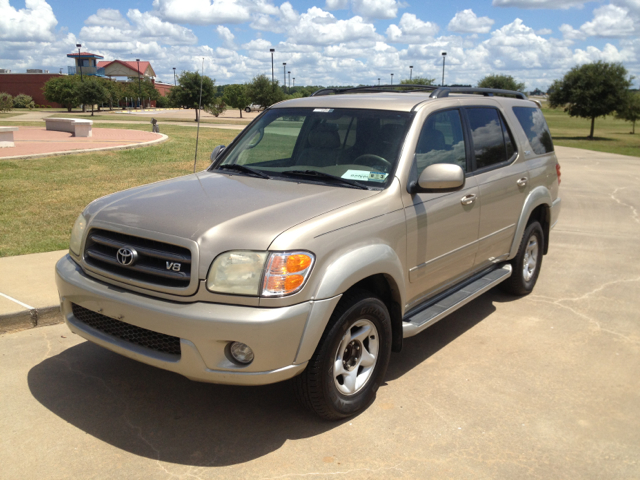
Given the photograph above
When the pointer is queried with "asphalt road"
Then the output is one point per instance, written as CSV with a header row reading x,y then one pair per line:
x,y
545,386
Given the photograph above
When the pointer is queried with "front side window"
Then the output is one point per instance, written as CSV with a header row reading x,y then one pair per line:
x,y
535,127
352,144
441,141
488,137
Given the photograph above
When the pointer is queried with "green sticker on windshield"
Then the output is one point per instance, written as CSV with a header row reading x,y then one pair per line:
x,y
365,176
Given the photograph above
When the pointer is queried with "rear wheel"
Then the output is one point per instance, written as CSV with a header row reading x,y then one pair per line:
x,y
247,109
350,362
526,265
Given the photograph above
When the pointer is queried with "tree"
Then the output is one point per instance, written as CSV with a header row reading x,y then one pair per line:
x,y
590,91
6,102
216,107
144,89
187,93
92,91
263,92
418,81
629,111
115,92
236,97
63,91
503,82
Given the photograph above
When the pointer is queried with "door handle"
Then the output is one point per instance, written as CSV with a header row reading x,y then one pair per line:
x,y
468,199
522,182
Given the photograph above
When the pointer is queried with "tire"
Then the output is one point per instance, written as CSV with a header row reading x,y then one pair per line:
x,y
350,362
527,263
247,109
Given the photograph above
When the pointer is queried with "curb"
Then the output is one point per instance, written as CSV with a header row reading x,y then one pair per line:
x,y
162,139
36,317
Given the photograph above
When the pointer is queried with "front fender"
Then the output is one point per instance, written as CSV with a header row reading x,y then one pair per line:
x,y
538,196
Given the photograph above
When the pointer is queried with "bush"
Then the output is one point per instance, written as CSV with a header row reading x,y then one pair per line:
x,y
23,101
216,107
162,102
6,102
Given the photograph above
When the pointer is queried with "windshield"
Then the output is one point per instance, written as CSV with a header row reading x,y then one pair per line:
x,y
294,143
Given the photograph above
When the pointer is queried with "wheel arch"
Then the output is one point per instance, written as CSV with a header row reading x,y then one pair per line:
x,y
537,206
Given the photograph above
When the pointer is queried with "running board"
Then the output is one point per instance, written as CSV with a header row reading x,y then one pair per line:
x,y
436,312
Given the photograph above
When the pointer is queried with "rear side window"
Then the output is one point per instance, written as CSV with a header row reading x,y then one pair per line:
x,y
535,127
491,140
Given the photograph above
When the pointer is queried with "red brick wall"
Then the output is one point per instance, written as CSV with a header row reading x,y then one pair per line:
x,y
27,83
163,88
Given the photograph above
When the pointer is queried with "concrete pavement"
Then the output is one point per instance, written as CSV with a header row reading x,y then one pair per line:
x,y
543,386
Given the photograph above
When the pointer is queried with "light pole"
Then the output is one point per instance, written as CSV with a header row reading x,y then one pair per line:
x,y
410,72
444,55
294,82
174,77
139,81
392,79
289,88
378,80
284,71
272,77
80,61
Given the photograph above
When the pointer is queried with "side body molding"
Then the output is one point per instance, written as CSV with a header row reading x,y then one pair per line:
x,y
538,196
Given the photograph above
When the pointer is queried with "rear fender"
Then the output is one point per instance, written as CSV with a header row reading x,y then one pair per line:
x,y
538,196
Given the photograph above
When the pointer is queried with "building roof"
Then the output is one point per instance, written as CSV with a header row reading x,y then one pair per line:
x,y
133,65
84,54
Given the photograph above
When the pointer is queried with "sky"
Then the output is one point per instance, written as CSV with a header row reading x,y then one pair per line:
x,y
328,42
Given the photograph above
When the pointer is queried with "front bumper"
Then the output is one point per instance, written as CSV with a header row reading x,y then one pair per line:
x,y
204,330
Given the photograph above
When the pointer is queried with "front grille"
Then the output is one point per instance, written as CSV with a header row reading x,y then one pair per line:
x,y
154,262
129,333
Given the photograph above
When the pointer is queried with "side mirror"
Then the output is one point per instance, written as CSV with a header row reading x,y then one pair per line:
x,y
216,151
440,177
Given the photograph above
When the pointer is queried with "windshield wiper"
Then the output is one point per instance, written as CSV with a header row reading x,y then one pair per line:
x,y
242,168
314,173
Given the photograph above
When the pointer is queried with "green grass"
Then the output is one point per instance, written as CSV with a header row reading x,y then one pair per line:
x,y
40,198
146,118
11,114
611,135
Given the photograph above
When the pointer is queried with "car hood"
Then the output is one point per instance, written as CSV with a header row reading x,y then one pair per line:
x,y
221,212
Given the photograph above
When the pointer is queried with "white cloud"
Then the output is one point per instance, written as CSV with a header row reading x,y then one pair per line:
x,y
106,17
226,36
144,27
467,22
35,22
336,4
375,8
544,31
609,21
564,4
411,30
278,21
202,12
318,27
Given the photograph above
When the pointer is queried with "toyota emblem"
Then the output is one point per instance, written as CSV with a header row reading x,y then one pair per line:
x,y
126,256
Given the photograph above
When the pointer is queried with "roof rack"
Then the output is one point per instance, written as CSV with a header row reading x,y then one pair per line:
x,y
437,92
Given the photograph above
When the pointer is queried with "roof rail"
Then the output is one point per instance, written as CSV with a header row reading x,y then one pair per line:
x,y
398,88
441,92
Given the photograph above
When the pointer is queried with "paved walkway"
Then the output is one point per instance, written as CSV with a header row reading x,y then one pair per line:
x,y
31,141
543,386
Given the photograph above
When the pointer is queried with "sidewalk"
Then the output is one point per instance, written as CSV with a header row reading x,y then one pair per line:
x,y
28,293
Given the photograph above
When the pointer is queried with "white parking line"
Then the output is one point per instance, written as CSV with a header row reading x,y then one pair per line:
x,y
28,307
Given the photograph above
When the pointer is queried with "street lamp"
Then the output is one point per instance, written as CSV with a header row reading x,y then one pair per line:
x,y
378,80
174,76
444,55
289,89
139,81
294,82
392,79
272,77
410,72
284,71
79,61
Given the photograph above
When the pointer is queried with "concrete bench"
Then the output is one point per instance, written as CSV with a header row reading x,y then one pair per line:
x,y
6,136
77,126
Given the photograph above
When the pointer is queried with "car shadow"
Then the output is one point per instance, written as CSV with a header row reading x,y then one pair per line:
x,y
161,415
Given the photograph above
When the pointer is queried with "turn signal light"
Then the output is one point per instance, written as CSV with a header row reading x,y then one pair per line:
x,y
558,172
286,273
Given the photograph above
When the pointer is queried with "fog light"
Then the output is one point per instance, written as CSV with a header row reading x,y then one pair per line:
x,y
241,353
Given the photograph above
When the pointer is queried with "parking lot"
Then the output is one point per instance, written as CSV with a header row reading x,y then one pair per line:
x,y
544,386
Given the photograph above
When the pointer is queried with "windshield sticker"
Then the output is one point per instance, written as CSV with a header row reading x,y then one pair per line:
x,y
365,176
323,110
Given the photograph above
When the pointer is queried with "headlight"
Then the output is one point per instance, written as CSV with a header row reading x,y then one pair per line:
x,y
76,234
286,273
260,273
237,272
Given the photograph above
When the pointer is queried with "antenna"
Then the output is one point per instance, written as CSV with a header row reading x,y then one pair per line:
x,y
195,160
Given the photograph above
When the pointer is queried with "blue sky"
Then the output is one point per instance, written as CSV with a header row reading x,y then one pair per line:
x,y
328,42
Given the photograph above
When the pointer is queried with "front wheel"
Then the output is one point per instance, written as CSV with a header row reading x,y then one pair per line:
x,y
247,109
350,362
526,265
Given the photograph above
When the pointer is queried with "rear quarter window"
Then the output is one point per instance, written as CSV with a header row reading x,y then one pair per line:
x,y
535,128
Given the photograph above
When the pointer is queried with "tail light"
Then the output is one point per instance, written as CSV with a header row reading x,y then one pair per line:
x,y
558,172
